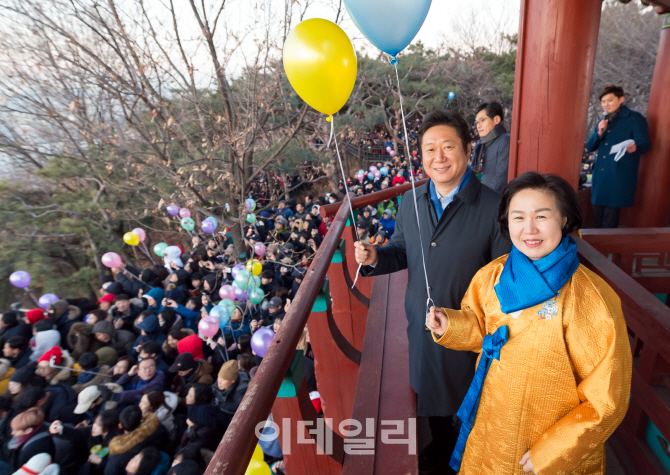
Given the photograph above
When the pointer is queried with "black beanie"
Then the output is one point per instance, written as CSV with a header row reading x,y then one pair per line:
x,y
44,325
9,318
23,375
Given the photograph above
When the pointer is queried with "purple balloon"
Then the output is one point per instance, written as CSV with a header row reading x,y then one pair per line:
x,y
173,209
207,227
261,341
240,294
236,269
46,300
20,279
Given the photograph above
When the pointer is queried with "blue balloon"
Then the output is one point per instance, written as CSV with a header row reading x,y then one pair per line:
x,y
384,171
222,314
371,175
374,17
213,220
451,95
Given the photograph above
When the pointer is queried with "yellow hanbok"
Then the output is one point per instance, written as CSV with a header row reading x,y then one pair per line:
x,y
562,383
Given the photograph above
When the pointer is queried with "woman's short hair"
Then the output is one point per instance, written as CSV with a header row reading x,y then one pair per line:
x,y
450,118
566,198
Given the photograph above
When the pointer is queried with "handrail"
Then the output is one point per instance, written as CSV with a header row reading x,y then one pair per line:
x,y
237,446
370,199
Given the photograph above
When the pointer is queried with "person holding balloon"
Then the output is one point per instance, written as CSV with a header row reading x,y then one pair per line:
x,y
460,234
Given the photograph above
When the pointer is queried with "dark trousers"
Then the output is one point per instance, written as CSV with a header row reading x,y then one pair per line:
x,y
605,216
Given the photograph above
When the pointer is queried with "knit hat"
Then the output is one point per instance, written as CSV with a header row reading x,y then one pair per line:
x,y
23,375
229,371
114,288
191,344
183,362
44,325
107,356
33,417
109,298
55,352
37,464
86,398
35,315
205,415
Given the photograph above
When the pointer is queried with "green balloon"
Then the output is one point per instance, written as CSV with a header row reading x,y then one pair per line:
x,y
257,280
256,296
187,223
229,304
159,249
242,279
251,218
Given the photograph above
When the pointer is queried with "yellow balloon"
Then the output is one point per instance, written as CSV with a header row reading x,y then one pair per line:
x,y
258,454
320,64
131,239
257,269
257,467
252,264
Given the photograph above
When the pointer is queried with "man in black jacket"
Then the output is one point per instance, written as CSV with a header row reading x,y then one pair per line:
x,y
229,389
11,327
492,150
459,229
18,352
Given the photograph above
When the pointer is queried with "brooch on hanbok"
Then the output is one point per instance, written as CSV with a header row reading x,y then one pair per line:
x,y
549,309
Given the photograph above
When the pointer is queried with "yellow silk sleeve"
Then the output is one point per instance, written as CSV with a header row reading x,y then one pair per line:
x,y
467,327
597,341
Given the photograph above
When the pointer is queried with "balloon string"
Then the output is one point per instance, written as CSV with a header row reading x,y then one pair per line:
x,y
138,279
346,189
143,248
416,208
32,296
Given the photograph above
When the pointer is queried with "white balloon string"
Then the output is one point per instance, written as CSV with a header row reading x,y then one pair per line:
x,y
346,189
416,208
138,279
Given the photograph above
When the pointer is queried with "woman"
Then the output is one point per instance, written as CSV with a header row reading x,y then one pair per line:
x,y
163,405
554,378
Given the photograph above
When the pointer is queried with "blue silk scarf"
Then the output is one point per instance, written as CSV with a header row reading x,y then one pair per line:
x,y
525,283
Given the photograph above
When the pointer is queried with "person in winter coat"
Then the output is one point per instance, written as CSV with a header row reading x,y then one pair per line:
x,y
140,379
81,340
459,228
230,387
190,370
163,404
120,340
138,432
63,315
191,344
62,398
206,426
154,298
46,337
30,436
124,312
492,150
615,182
11,327
17,350
132,287
388,222
150,331
6,372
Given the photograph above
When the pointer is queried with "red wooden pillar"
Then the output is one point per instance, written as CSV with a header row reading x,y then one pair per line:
x,y
652,200
554,70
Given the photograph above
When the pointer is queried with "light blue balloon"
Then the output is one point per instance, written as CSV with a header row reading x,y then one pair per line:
x,y
384,171
222,314
390,25
371,175
451,95
213,220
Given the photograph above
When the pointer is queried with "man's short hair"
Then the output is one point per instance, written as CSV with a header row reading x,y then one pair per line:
x,y
267,274
121,297
449,118
130,418
88,361
616,90
18,343
492,109
151,347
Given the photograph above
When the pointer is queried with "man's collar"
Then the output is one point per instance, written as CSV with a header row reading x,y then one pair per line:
x,y
464,181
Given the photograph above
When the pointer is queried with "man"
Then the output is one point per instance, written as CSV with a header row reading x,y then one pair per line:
x,y
10,326
62,398
492,150
614,181
300,212
17,351
459,226
63,315
152,349
275,309
140,379
124,313
229,389
90,403
189,371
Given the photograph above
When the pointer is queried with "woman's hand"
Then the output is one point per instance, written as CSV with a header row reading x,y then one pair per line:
x,y
95,459
527,463
56,428
437,321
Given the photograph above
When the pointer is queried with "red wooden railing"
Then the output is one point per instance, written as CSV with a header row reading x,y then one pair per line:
x,y
337,316
618,257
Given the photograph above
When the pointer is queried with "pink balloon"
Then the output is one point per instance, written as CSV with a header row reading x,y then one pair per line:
x,y
378,174
227,292
392,153
111,259
208,326
184,213
140,234
259,249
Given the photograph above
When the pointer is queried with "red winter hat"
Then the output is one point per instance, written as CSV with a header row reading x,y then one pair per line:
x,y
191,344
56,352
35,315
109,298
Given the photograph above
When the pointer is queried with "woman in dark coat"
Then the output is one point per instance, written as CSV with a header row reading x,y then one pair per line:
x,y
30,436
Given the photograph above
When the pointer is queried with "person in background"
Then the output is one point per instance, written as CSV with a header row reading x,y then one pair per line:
x,y
614,182
491,153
